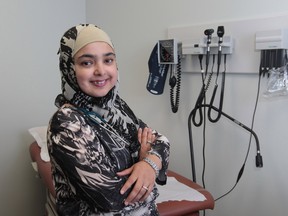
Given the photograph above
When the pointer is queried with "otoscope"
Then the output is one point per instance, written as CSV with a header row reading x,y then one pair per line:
x,y
208,33
220,33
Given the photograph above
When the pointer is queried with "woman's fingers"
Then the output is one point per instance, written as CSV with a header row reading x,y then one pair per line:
x,y
144,135
142,179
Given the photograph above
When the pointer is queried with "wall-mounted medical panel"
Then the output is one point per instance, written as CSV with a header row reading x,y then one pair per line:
x,y
198,46
272,39
239,41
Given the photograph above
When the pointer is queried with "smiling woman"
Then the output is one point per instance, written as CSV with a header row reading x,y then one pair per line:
x,y
105,160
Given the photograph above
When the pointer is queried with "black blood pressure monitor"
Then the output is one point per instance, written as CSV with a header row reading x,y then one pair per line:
x,y
167,51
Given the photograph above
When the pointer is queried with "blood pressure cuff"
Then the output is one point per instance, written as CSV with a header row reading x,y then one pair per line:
x,y
157,73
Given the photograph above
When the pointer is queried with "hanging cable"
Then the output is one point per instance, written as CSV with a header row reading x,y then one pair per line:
x,y
175,82
221,95
201,97
199,101
259,162
220,33
203,149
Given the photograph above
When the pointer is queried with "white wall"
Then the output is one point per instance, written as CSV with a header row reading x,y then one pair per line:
x,y
135,26
29,33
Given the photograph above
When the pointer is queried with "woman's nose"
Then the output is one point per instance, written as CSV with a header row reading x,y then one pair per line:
x,y
99,69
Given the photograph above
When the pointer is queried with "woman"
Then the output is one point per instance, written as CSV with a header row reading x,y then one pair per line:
x,y
104,159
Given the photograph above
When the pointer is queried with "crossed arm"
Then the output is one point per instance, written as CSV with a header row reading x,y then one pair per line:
x,y
141,173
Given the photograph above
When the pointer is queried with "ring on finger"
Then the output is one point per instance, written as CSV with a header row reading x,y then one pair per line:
x,y
149,142
146,188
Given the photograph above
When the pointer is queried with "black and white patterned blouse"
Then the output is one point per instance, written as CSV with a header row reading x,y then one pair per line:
x,y
87,152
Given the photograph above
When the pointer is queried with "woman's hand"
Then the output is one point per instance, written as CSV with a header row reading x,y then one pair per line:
x,y
142,175
142,179
145,138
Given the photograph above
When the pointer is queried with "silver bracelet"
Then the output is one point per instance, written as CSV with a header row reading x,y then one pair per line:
x,y
153,165
152,152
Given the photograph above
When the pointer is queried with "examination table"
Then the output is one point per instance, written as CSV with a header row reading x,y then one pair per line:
x,y
166,208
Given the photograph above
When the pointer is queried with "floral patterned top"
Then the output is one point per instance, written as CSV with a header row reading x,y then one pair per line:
x,y
86,153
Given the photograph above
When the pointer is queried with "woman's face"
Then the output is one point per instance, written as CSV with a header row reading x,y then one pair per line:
x,y
96,69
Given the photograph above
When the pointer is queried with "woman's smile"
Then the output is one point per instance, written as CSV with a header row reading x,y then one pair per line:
x,y
99,83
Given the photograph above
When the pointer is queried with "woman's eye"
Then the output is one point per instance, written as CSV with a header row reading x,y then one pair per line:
x,y
109,60
86,63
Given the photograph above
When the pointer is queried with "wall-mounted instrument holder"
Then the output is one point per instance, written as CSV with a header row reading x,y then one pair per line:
x,y
199,45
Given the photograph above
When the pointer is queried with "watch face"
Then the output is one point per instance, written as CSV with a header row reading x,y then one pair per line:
x,y
166,51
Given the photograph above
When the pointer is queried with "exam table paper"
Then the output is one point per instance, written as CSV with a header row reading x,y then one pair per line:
x,y
176,191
